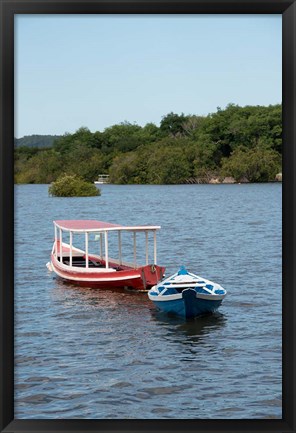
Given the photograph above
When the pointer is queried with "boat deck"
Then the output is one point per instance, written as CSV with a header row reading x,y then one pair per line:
x,y
95,263
81,262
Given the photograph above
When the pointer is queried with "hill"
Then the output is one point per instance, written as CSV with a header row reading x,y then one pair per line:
x,y
38,141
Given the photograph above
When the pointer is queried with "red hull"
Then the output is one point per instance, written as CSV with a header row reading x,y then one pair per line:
x,y
141,278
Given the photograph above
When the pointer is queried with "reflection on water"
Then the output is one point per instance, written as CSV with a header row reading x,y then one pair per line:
x,y
88,353
195,328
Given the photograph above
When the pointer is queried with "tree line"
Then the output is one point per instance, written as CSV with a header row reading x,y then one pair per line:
x,y
242,142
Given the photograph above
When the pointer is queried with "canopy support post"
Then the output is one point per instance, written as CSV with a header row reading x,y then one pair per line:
x,y
135,250
86,249
155,251
101,245
71,247
61,246
106,250
56,241
147,256
119,247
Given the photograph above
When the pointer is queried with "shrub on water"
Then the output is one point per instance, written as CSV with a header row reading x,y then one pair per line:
x,y
73,186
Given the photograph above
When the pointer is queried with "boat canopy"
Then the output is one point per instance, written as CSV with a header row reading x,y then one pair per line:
x,y
97,226
101,229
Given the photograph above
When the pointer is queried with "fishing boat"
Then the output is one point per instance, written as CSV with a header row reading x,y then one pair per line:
x,y
186,294
97,269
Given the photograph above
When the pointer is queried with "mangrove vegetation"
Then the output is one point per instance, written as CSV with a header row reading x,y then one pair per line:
x,y
69,185
244,143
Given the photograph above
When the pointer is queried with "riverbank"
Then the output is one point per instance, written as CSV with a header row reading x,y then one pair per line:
x,y
226,180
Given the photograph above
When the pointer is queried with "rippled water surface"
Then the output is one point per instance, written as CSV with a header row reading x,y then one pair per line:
x,y
83,353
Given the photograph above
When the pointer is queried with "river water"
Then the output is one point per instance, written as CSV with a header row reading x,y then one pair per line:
x,y
83,353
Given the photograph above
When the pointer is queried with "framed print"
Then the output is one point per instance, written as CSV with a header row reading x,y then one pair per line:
x,y
147,216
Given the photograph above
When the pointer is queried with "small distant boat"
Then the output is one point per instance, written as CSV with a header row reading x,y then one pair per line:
x,y
103,178
186,294
98,269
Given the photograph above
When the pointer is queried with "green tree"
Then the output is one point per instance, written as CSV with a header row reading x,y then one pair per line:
x,y
43,167
123,137
257,165
85,162
82,136
124,168
173,124
168,166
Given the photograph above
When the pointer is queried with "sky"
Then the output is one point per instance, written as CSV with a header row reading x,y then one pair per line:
x,y
100,70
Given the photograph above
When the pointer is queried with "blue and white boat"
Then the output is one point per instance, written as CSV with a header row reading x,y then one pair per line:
x,y
186,294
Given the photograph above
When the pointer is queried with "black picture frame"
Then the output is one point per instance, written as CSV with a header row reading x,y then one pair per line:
x,y
11,7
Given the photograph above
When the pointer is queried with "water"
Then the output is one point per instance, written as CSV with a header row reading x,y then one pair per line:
x,y
83,353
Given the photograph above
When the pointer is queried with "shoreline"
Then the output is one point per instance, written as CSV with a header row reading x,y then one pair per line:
x,y
228,180
173,184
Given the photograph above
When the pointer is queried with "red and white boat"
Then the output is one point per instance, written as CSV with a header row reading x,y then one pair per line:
x,y
99,270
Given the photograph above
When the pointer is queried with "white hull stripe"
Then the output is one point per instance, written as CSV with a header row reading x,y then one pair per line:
x,y
94,279
179,296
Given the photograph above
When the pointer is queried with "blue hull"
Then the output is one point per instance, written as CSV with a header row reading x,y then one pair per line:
x,y
188,306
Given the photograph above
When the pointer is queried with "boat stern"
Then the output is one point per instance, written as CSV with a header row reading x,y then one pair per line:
x,y
152,275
